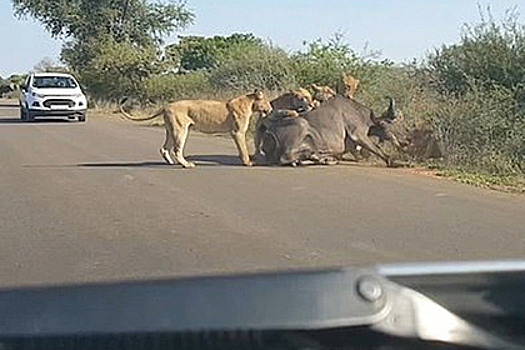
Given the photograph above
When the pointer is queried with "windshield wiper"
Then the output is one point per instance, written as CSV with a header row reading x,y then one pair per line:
x,y
477,305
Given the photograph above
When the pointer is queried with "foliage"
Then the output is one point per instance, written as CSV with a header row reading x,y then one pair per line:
x,y
514,183
141,22
263,67
171,86
116,69
489,54
198,52
47,64
17,79
111,45
323,62
481,111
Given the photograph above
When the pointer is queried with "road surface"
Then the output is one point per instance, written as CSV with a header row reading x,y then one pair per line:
x,y
94,201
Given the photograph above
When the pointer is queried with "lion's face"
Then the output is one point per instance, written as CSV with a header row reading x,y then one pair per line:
x,y
261,104
350,84
323,93
302,100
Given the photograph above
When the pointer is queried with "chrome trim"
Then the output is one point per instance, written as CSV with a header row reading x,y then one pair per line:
x,y
458,267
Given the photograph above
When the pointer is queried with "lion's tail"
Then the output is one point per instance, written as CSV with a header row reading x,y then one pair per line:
x,y
130,117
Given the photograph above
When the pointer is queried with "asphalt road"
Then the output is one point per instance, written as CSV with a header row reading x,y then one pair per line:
x,y
94,201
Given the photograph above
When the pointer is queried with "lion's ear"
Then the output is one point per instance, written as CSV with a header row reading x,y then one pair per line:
x,y
259,95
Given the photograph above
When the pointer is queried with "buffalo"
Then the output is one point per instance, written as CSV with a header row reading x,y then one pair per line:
x,y
325,134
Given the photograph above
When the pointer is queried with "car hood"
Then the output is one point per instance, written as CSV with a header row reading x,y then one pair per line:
x,y
58,92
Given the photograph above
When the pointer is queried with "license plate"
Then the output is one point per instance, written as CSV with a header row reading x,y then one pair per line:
x,y
58,106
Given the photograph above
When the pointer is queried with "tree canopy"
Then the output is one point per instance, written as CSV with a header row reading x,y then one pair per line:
x,y
117,40
198,52
138,21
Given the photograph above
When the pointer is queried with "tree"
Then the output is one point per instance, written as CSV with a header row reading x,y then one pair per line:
x,y
198,52
138,21
97,31
47,64
489,54
117,69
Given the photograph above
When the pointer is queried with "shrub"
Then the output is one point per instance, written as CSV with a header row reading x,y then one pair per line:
x,y
481,112
176,86
266,68
116,69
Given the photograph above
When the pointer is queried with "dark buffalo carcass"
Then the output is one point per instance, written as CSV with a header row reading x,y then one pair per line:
x,y
290,140
328,132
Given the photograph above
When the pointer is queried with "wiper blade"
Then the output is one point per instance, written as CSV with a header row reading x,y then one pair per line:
x,y
380,299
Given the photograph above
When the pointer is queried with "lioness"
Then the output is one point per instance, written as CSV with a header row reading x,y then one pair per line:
x,y
299,100
350,85
210,117
322,94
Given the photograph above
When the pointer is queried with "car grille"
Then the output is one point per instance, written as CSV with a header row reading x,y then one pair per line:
x,y
59,102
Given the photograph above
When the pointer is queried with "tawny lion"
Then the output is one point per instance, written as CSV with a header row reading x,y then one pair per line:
x,y
210,117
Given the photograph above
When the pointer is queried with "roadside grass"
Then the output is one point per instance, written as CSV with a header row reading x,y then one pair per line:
x,y
511,183
104,113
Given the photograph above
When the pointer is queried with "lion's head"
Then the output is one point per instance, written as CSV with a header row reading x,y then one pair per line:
x,y
323,93
303,99
350,85
261,104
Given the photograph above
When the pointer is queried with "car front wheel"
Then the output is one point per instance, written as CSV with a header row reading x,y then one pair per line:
x,y
82,118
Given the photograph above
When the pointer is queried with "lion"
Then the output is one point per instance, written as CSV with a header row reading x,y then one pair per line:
x,y
299,100
322,94
350,85
210,117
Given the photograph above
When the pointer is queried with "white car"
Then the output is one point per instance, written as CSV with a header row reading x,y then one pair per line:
x,y
52,94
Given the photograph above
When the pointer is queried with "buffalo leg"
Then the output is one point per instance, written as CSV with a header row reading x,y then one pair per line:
x,y
369,145
257,137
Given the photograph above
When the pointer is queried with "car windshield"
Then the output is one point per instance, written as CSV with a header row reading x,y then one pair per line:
x,y
152,139
55,82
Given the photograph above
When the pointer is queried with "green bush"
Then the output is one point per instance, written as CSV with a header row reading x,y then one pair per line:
x,y
116,69
480,116
481,131
489,54
247,68
323,62
170,87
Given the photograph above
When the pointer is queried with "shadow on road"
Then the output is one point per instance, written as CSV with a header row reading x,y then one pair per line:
x,y
214,159
200,160
158,164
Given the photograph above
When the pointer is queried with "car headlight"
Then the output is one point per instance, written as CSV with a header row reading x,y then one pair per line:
x,y
79,96
34,94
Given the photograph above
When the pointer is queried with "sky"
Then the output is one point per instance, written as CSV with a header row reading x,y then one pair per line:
x,y
401,29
